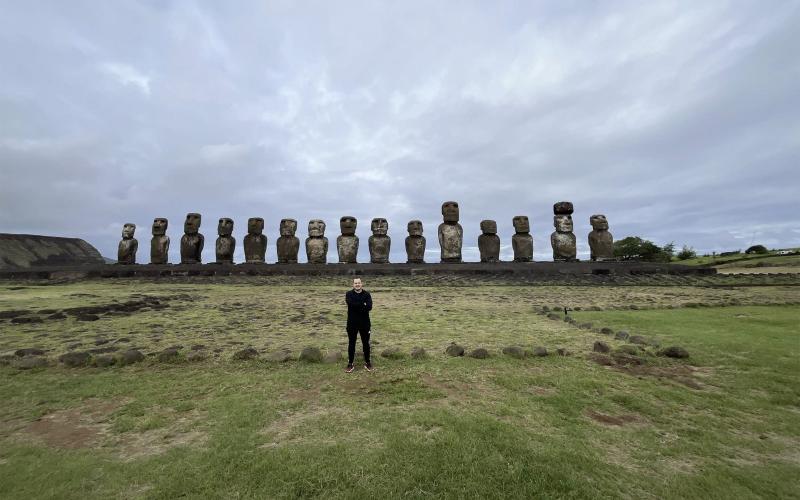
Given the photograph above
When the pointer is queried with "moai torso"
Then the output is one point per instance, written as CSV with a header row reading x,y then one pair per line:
x,y
379,243
489,242
255,243
522,241
563,239
415,243
192,241
601,242
226,243
126,251
288,245
347,242
316,243
159,244
451,234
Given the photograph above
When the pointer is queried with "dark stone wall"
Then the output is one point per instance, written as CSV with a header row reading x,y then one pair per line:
x,y
26,251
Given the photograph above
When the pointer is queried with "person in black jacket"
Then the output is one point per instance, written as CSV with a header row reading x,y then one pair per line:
x,y
359,304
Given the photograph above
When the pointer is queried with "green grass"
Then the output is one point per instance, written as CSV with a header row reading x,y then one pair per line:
x,y
771,259
723,424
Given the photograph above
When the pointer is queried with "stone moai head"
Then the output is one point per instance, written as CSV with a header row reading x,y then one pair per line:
x,y
599,222
160,226
288,227
192,223
127,231
225,227
450,212
255,225
489,226
316,228
380,226
348,225
415,228
521,224
562,220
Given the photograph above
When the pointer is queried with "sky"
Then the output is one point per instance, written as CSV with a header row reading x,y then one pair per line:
x,y
680,121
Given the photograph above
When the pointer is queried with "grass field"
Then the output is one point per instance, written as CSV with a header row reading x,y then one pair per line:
x,y
724,423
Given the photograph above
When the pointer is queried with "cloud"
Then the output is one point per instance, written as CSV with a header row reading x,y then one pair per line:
x,y
127,75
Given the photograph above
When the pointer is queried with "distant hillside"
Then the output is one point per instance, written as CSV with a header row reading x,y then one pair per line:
x,y
768,263
29,250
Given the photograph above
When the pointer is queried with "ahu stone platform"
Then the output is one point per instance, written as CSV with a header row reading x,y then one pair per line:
x,y
531,269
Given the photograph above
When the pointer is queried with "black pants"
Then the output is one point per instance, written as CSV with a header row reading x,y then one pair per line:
x,y
352,334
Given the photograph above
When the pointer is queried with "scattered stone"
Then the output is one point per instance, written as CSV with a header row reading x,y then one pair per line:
x,y
311,355
585,326
168,355
12,314
87,317
332,357
245,354
633,307
104,361
545,309
30,362
625,359
26,320
75,359
58,315
197,347
570,320
479,353
622,335
554,316
28,351
101,341
637,339
393,353
674,352
601,347
454,350
418,353
196,356
281,356
606,331
561,351
7,359
131,356
514,351
540,351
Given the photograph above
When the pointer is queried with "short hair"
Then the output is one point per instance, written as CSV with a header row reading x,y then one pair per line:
x,y
357,278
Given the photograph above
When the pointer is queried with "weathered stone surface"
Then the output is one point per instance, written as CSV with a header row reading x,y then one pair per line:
x,y
415,243
601,347
562,351
585,326
601,242
554,316
332,357
311,355
622,335
30,362
316,243
454,350
255,242
29,351
288,244
674,352
347,242
130,357
514,351
246,353
637,339
126,251
196,356
418,353
226,243
379,243
393,353
159,243
87,317
281,356
522,241
75,359
489,242
31,251
104,360
192,241
540,351
478,353
606,331
563,239
168,355
451,234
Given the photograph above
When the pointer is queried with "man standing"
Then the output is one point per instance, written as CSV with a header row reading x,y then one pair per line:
x,y
359,304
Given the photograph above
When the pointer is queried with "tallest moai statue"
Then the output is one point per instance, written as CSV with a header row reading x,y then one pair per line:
x,y
563,239
451,234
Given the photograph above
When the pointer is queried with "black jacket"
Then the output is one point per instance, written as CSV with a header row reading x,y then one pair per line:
x,y
358,307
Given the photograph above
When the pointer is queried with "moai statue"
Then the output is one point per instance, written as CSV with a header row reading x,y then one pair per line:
x,y
601,243
226,243
522,241
159,244
316,243
126,252
489,242
379,242
347,242
255,243
192,241
563,239
451,234
288,244
415,243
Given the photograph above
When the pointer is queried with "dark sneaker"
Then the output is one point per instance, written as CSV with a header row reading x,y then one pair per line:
x,y
349,369
368,367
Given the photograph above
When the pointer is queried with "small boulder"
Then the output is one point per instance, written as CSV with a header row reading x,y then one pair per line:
x,y
28,351
585,326
540,351
601,347
30,362
637,339
554,316
27,319
75,359
454,350
104,360
130,357
606,331
245,354
562,351
332,357
281,356
514,351
393,353
622,335
58,315
418,353
311,355
87,317
168,355
479,353
674,352
195,356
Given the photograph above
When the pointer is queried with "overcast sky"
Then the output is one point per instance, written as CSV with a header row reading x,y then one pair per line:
x,y
678,120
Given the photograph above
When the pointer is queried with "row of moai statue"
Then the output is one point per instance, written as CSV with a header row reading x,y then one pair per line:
x,y
451,237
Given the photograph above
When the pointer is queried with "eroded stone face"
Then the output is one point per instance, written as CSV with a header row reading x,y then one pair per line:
x,y
415,228
288,245
489,226
192,223
288,227
601,242
522,241
316,243
450,212
599,222
489,242
348,225
380,227
316,228
347,242
160,226
255,225
563,223
128,231
521,224
451,234
159,243
415,243
126,252
379,242
563,240
225,227
255,243
192,241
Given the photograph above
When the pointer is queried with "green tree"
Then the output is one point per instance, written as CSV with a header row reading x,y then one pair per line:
x,y
636,248
686,252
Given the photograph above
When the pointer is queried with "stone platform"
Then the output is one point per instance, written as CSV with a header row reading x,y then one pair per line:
x,y
530,269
